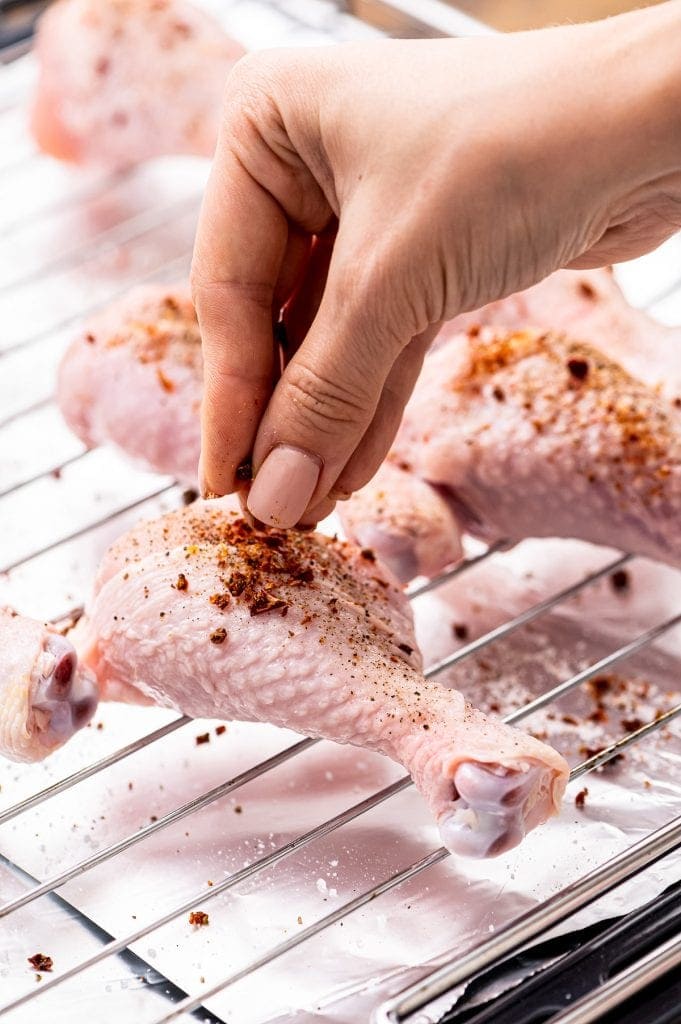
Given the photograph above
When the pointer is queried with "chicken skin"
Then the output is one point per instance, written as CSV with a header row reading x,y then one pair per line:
x,y
46,696
201,612
123,81
134,376
588,305
528,435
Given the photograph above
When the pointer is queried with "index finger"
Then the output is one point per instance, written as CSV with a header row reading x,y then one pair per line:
x,y
240,245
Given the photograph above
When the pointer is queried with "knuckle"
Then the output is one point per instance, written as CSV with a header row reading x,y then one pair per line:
x,y
323,404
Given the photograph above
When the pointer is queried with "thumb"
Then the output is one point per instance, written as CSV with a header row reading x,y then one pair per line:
x,y
325,401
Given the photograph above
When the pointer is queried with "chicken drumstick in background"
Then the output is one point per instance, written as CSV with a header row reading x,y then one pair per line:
x,y
127,80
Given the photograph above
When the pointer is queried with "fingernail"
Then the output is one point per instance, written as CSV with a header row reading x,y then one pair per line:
x,y
284,486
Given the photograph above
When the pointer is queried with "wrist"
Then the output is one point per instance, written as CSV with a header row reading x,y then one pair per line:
x,y
642,80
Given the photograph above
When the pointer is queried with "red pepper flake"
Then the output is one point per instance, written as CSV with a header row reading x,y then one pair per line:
x,y
199,919
204,737
165,382
238,809
265,602
632,724
189,496
90,338
498,393
580,799
460,630
406,648
579,368
587,290
218,636
40,962
220,730
182,583
368,554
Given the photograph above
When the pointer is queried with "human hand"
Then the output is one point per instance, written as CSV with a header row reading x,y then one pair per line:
x,y
373,191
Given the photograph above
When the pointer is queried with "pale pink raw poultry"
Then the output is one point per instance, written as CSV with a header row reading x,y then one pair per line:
x,y
121,81
200,612
134,376
45,697
528,434
588,305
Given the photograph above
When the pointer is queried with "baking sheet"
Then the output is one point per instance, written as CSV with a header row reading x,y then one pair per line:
x,y
67,242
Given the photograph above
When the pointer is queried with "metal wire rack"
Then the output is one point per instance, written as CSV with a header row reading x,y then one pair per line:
x,y
29,352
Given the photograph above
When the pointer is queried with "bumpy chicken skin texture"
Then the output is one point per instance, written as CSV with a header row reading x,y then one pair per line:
x,y
203,613
45,697
588,305
134,376
127,80
532,435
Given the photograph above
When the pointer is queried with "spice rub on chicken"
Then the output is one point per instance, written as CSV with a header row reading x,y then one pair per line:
x,y
201,612
526,434
588,305
134,376
127,80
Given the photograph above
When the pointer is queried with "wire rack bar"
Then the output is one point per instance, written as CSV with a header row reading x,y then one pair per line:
x,y
451,574
50,470
86,773
627,983
625,742
33,407
506,628
63,203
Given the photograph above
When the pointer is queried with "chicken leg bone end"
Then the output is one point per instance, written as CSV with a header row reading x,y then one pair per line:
x,y
494,807
64,698
45,696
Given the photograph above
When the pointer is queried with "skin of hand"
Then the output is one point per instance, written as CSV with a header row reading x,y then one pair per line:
x,y
366,193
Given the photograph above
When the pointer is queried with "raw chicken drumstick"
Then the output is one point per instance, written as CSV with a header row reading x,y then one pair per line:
x,y
525,435
200,612
45,696
134,376
121,81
